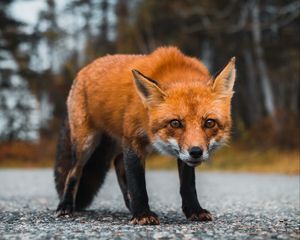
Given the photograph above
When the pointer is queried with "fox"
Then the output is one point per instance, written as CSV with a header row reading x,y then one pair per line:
x,y
122,107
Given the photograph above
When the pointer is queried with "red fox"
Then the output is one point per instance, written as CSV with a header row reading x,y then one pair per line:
x,y
120,107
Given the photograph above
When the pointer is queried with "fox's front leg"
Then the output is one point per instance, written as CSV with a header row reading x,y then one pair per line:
x,y
190,203
135,175
121,176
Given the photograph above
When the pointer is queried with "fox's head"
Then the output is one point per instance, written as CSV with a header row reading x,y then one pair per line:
x,y
188,119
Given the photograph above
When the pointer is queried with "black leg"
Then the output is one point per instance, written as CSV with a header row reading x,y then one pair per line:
x,y
67,202
135,175
190,203
66,206
120,171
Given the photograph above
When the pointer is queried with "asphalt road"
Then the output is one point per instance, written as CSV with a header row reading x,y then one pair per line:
x,y
245,206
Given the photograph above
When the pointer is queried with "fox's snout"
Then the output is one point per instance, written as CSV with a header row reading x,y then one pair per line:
x,y
196,152
193,155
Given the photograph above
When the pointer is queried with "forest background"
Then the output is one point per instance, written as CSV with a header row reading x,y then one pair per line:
x,y
40,58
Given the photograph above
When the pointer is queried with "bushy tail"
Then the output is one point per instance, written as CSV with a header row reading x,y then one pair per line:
x,y
63,161
94,171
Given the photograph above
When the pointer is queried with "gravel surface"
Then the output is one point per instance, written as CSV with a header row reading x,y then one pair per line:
x,y
245,206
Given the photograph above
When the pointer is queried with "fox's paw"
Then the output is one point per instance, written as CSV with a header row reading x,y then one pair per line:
x,y
149,218
202,216
64,208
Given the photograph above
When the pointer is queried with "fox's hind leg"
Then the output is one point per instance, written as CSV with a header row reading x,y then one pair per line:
x,y
95,170
81,151
83,138
121,175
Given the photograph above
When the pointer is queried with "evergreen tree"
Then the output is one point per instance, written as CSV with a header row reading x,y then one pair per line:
x,y
17,115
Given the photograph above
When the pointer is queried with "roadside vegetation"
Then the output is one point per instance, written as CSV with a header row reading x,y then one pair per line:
x,y
240,160
230,158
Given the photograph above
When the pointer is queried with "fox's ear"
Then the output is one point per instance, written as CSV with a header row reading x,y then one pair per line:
x,y
224,82
148,89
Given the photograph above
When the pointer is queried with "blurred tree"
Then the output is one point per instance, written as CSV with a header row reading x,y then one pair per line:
x,y
49,43
90,29
127,39
264,35
16,103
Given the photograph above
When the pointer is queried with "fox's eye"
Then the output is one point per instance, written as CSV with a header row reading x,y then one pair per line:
x,y
175,123
210,123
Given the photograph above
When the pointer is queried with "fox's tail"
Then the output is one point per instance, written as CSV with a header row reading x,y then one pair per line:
x,y
93,173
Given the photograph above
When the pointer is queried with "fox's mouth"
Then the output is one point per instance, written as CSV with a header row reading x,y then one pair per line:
x,y
194,162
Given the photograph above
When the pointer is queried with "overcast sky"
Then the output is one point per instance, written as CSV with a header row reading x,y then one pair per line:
x,y
28,11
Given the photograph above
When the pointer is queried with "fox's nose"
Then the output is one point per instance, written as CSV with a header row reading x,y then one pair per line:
x,y
195,152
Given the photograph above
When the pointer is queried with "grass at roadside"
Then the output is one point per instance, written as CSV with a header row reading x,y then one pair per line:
x,y
27,155
233,158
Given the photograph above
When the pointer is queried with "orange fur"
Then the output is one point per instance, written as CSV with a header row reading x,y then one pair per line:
x,y
104,98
